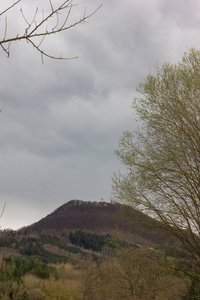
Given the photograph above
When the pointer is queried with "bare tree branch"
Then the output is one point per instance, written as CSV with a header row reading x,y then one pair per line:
x,y
4,206
48,55
10,7
35,28
5,27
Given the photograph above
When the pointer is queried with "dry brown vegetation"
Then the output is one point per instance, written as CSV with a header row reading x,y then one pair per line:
x,y
128,275
131,274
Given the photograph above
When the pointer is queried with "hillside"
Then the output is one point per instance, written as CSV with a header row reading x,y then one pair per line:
x,y
77,227
77,214
102,218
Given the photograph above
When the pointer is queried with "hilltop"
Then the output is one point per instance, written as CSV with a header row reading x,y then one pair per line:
x,y
102,218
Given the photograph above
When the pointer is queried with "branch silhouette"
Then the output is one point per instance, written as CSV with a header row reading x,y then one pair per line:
x,y
39,27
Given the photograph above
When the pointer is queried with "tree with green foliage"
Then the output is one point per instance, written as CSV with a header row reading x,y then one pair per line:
x,y
162,157
89,241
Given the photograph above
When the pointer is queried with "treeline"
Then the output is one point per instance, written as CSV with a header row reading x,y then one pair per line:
x,y
13,268
88,241
35,247
12,271
38,247
96,242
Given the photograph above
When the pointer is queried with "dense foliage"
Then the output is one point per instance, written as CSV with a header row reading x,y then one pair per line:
x,y
162,157
12,271
15,267
97,242
39,246
86,240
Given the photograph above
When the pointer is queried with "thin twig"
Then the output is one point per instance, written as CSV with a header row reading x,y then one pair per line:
x,y
11,6
4,49
21,10
35,32
50,56
51,5
3,210
6,26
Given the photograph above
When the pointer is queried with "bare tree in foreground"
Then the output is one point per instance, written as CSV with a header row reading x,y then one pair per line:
x,y
163,157
41,26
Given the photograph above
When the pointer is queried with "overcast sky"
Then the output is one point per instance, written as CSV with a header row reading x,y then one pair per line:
x,y
61,120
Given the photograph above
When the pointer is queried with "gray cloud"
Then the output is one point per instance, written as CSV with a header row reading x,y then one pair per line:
x,y
183,13
61,121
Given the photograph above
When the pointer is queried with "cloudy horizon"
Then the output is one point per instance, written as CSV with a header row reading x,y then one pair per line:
x,y
62,120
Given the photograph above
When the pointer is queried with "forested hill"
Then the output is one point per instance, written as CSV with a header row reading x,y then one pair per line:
x,y
78,214
101,218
